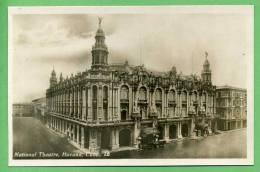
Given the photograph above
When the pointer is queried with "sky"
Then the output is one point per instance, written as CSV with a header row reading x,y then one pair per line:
x,y
41,42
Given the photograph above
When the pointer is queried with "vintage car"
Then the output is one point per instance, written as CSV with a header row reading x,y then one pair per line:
x,y
202,129
149,138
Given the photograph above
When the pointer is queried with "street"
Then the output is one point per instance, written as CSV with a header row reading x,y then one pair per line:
x,y
31,136
231,144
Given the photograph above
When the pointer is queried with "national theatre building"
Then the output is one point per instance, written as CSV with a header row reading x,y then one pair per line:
x,y
114,106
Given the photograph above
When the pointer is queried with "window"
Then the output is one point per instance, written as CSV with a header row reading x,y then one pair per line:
x,y
184,96
94,92
105,92
171,95
94,102
194,96
142,93
124,93
158,94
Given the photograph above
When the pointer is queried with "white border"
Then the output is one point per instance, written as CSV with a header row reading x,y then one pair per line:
x,y
249,9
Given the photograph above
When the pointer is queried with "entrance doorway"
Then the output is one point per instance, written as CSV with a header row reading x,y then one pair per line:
x,y
123,115
172,132
124,137
105,138
184,130
160,128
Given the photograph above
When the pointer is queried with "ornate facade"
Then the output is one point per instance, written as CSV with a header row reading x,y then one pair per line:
x,y
231,107
108,106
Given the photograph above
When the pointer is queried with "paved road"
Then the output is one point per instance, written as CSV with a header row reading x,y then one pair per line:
x,y
230,144
30,136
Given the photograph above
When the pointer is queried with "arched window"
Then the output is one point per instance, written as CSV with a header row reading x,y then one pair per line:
x,y
105,102
124,93
142,93
158,94
94,102
105,92
184,96
94,92
204,97
194,96
171,95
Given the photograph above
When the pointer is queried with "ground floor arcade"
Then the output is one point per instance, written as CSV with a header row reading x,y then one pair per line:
x,y
94,139
231,124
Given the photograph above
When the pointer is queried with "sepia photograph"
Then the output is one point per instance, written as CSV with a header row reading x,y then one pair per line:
x,y
130,86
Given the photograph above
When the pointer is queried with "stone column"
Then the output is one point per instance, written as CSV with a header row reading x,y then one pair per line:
x,y
59,124
118,103
52,122
179,104
207,105
67,103
163,105
192,133
77,134
166,132
82,137
65,127
130,102
100,115
59,97
114,139
93,141
63,103
84,104
69,130
74,132
79,103
55,102
110,104
136,133
179,136
74,103
70,102
89,117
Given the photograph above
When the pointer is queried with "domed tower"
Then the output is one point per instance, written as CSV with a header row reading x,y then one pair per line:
x,y
53,79
99,49
206,72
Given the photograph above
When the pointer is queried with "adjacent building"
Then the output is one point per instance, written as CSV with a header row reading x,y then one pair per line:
x,y
109,106
39,108
22,110
231,107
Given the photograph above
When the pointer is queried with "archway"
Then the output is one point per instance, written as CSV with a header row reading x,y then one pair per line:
x,y
124,137
86,138
184,130
172,132
123,115
105,138
161,132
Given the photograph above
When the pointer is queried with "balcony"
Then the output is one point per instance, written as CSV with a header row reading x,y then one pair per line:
x,y
192,111
184,102
172,102
136,115
195,103
142,101
158,101
124,100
